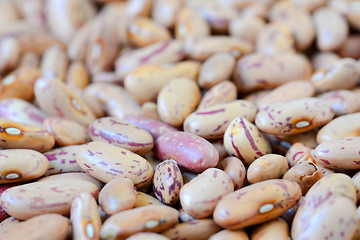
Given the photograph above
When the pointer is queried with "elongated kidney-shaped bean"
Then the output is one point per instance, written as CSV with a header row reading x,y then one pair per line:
x,y
104,161
220,93
188,150
342,101
256,203
294,116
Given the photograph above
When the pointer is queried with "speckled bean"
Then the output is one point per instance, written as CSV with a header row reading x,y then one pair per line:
x,y
7,224
235,168
19,135
189,24
157,53
54,63
342,101
287,91
53,227
195,197
85,218
66,132
339,153
62,160
147,236
58,100
18,110
331,28
116,100
145,82
188,150
3,214
258,71
143,219
274,229
298,152
167,182
142,32
121,133
117,195
21,165
244,140
211,122
356,180
104,162
73,175
259,203
305,173
246,28
230,235
332,78
37,198
269,166
143,199
343,126
203,48
294,116
198,229
177,99
210,74
220,93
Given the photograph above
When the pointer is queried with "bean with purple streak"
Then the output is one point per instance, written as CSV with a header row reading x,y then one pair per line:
x,y
121,133
188,150
244,140
195,197
167,182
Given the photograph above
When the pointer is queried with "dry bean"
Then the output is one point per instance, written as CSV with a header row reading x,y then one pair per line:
x,y
324,60
188,150
149,110
230,235
54,63
138,8
143,199
342,101
10,54
274,229
246,28
164,12
77,75
235,169
121,133
147,236
7,224
190,24
3,214
350,48
298,152
356,180
75,176
220,93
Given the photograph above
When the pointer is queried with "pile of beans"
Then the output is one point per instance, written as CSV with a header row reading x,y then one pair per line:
x,y
179,119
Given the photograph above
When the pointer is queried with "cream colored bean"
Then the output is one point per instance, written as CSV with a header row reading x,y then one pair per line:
x,y
350,48
54,63
121,133
332,77
309,5
167,182
85,218
270,166
235,169
317,200
104,161
21,164
287,91
244,140
58,100
210,74
342,101
190,24
246,28
143,199
294,116
93,103
356,180
7,224
256,96
77,75
79,42
211,122
324,60
149,110
199,229
177,99
19,135
343,126
259,203
259,71
230,235
73,175
195,198
331,28
149,218
30,59
138,8
164,12
145,82
10,54
66,132
298,152
53,227
157,53
117,195
274,229
203,48
220,93
147,236
37,198
142,32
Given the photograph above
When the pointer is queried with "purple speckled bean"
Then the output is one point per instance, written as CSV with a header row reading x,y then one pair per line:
x,y
188,150
339,153
121,133
104,162
195,197
154,127
73,175
62,160
294,116
167,182
342,101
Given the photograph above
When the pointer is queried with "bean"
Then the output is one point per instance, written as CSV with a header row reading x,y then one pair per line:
x,y
143,199
276,228
147,236
189,24
229,235
298,152
246,28
77,75
324,60
342,101
75,176
54,63
62,160
7,224
164,12
220,93
356,180
149,110
235,169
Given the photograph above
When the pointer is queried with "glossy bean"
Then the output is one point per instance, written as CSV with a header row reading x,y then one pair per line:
x,y
235,169
342,101
298,152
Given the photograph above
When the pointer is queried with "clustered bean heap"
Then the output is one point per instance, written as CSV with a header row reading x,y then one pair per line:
x,y
179,119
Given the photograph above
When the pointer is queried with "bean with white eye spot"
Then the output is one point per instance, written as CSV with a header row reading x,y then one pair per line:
x,y
294,116
195,197
167,182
